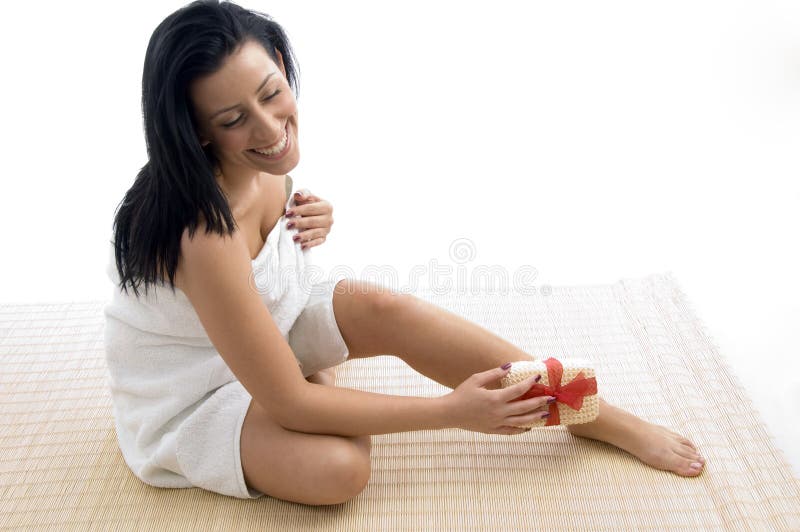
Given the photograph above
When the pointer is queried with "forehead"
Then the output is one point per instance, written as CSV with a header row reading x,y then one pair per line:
x,y
240,74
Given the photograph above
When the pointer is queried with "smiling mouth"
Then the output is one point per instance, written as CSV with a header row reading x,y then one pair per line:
x,y
277,148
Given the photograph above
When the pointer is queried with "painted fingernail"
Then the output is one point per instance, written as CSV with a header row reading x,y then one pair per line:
x,y
296,238
506,365
538,378
545,415
551,400
290,225
289,214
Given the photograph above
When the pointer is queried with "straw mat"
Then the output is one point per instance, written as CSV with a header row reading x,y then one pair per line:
x,y
61,469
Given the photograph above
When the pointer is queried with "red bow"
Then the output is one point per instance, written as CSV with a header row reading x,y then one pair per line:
x,y
570,394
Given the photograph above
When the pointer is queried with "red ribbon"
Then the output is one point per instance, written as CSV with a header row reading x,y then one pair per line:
x,y
570,394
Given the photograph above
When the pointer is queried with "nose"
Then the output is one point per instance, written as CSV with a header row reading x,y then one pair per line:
x,y
268,128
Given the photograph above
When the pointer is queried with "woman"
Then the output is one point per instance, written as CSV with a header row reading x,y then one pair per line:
x,y
210,394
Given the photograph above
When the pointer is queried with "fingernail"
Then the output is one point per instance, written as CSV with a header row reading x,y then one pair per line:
x,y
506,365
538,378
546,415
551,400
289,213
296,238
290,225
300,194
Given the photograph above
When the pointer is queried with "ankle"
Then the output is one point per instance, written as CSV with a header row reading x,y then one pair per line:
x,y
609,420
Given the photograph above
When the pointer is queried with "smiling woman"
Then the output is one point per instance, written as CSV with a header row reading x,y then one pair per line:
x,y
247,119
221,129
196,154
210,382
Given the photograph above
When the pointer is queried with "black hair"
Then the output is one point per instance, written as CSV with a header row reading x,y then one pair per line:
x,y
177,183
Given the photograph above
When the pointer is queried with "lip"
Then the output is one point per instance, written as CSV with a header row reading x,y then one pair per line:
x,y
286,131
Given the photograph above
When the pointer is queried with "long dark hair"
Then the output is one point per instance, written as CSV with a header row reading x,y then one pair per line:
x,y
178,181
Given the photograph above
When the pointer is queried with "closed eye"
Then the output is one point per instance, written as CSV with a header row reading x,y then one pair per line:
x,y
239,118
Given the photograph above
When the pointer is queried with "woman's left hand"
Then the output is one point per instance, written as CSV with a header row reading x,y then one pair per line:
x,y
314,221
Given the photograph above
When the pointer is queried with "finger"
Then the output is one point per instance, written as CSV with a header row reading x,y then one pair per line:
x,y
516,390
304,239
527,419
318,207
308,235
312,243
304,195
300,200
527,406
312,222
491,375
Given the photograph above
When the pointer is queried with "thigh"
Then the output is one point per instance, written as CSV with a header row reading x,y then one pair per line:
x,y
313,469
314,337
363,313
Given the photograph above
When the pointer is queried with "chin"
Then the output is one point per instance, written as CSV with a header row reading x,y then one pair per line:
x,y
288,163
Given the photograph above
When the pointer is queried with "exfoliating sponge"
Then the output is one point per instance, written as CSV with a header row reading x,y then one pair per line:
x,y
571,381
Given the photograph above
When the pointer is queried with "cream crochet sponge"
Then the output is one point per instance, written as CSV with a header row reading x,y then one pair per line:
x,y
571,381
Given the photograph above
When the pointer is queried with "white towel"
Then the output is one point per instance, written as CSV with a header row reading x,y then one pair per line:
x,y
163,366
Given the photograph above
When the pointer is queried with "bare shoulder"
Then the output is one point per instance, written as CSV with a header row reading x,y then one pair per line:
x,y
204,246
201,247
216,274
211,263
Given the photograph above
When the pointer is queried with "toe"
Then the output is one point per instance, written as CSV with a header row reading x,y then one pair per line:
x,y
684,441
688,443
693,452
685,452
694,468
684,458
681,460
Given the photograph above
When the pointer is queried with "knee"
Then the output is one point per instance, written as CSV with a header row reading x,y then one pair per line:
x,y
349,470
377,300
385,302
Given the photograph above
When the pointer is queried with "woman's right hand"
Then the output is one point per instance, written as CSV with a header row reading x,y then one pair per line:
x,y
473,407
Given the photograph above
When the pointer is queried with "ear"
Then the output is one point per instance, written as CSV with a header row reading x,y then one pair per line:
x,y
280,62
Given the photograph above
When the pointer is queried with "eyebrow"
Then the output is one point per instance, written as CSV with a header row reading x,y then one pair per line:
x,y
237,105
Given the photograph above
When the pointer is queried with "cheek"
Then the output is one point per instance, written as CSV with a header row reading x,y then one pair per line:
x,y
288,106
233,140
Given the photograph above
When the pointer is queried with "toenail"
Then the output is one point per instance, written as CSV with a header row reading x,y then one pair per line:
x,y
696,465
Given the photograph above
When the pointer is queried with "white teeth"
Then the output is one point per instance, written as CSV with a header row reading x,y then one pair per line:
x,y
277,149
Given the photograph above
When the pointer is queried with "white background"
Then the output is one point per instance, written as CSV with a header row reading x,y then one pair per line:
x,y
592,141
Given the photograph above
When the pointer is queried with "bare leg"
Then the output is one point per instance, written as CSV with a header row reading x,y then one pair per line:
x,y
448,348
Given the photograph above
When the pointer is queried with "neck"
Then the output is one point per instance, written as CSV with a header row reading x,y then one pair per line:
x,y
238,184
236,181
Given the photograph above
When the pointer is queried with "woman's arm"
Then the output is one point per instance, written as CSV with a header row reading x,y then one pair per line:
x,y
324,409
216,273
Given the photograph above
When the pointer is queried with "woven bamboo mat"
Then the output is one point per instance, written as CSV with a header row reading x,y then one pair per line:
x,y
61,469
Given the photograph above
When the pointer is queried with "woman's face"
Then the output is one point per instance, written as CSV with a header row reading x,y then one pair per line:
x,y
247,105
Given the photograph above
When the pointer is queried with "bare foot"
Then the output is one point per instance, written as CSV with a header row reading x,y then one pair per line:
x,y
654,445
